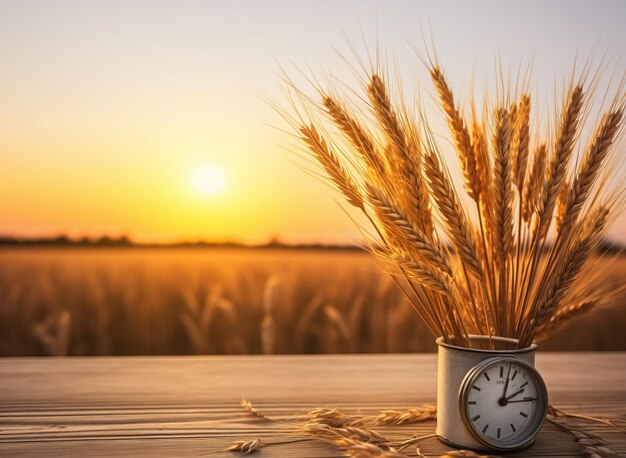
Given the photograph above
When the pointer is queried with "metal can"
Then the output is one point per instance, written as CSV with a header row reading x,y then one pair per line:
x,y
453,365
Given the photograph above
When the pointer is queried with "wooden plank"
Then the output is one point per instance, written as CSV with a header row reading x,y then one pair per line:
x,y
188,406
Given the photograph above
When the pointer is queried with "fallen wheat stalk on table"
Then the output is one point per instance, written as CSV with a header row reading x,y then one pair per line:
x,y
354,436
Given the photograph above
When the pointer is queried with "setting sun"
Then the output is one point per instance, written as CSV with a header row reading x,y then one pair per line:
x,y
208,180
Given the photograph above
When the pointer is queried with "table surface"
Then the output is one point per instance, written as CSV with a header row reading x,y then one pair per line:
x,y
189,406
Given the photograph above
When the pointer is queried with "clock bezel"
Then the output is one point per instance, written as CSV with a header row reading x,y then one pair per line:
x,y
538,419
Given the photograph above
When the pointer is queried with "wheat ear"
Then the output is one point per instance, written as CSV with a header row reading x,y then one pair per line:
x,y
381,105
591,164
562,316
401,417
533,183
563,146
402,228
418,199
562,204
503,208
246,447
569,266
460,133
329,160
423,273
520,142
590,444
457,225
404,154
355,133
483,161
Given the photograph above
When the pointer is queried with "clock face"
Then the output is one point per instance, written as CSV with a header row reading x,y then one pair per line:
x,y
503,402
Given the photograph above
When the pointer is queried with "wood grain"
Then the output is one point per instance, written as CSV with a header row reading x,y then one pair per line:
x,y
189,406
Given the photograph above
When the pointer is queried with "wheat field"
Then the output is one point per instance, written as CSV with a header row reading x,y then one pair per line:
x,y
221,301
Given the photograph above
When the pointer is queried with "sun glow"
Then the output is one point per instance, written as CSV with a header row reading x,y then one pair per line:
x,y
208,180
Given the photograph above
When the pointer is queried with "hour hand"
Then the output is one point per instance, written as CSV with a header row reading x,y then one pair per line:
x,y
514,394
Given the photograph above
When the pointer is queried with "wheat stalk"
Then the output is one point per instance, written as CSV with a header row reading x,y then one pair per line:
x,y
520,141
404,155
533,183
332,165
401,417
400,227
350,433
590,166
359,449
356,134
457,225
562,205
566,270
508,277
503,220
484,169
590,444
460,133
246,447
389,120
563,146
563,316
248,407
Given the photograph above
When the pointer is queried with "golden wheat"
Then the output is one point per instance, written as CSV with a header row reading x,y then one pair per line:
x,y
401,417
464,146
563,147
503,193
533,183
562,316
590,444
332,164
246,447
452,212
520,142
351,433
508,277
355,133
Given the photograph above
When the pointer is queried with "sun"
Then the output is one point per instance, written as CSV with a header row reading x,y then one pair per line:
x,y
208,180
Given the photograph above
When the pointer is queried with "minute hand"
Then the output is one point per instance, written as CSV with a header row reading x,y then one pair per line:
x,y
523,400
506,384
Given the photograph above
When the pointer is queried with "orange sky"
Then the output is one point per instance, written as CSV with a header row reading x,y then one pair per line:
x,y
107,109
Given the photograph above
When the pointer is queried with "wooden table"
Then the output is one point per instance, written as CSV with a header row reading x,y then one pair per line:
x,y
188,406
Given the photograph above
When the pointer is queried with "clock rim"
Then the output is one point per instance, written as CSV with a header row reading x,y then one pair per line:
x,y
542,393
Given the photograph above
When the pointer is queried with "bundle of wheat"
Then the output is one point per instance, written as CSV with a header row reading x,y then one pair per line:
x,y
506,268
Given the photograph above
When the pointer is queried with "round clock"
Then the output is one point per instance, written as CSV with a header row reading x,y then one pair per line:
x,y
503,402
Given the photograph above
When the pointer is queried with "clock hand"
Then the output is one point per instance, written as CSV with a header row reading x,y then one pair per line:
x,y
506,384
522,400
514,394
503,400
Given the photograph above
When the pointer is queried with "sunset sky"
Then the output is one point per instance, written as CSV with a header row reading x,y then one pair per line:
x,y
151,118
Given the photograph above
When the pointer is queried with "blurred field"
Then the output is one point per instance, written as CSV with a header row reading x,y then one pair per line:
x,y
162,301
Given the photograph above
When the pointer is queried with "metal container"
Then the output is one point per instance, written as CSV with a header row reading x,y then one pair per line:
x,y
453,365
